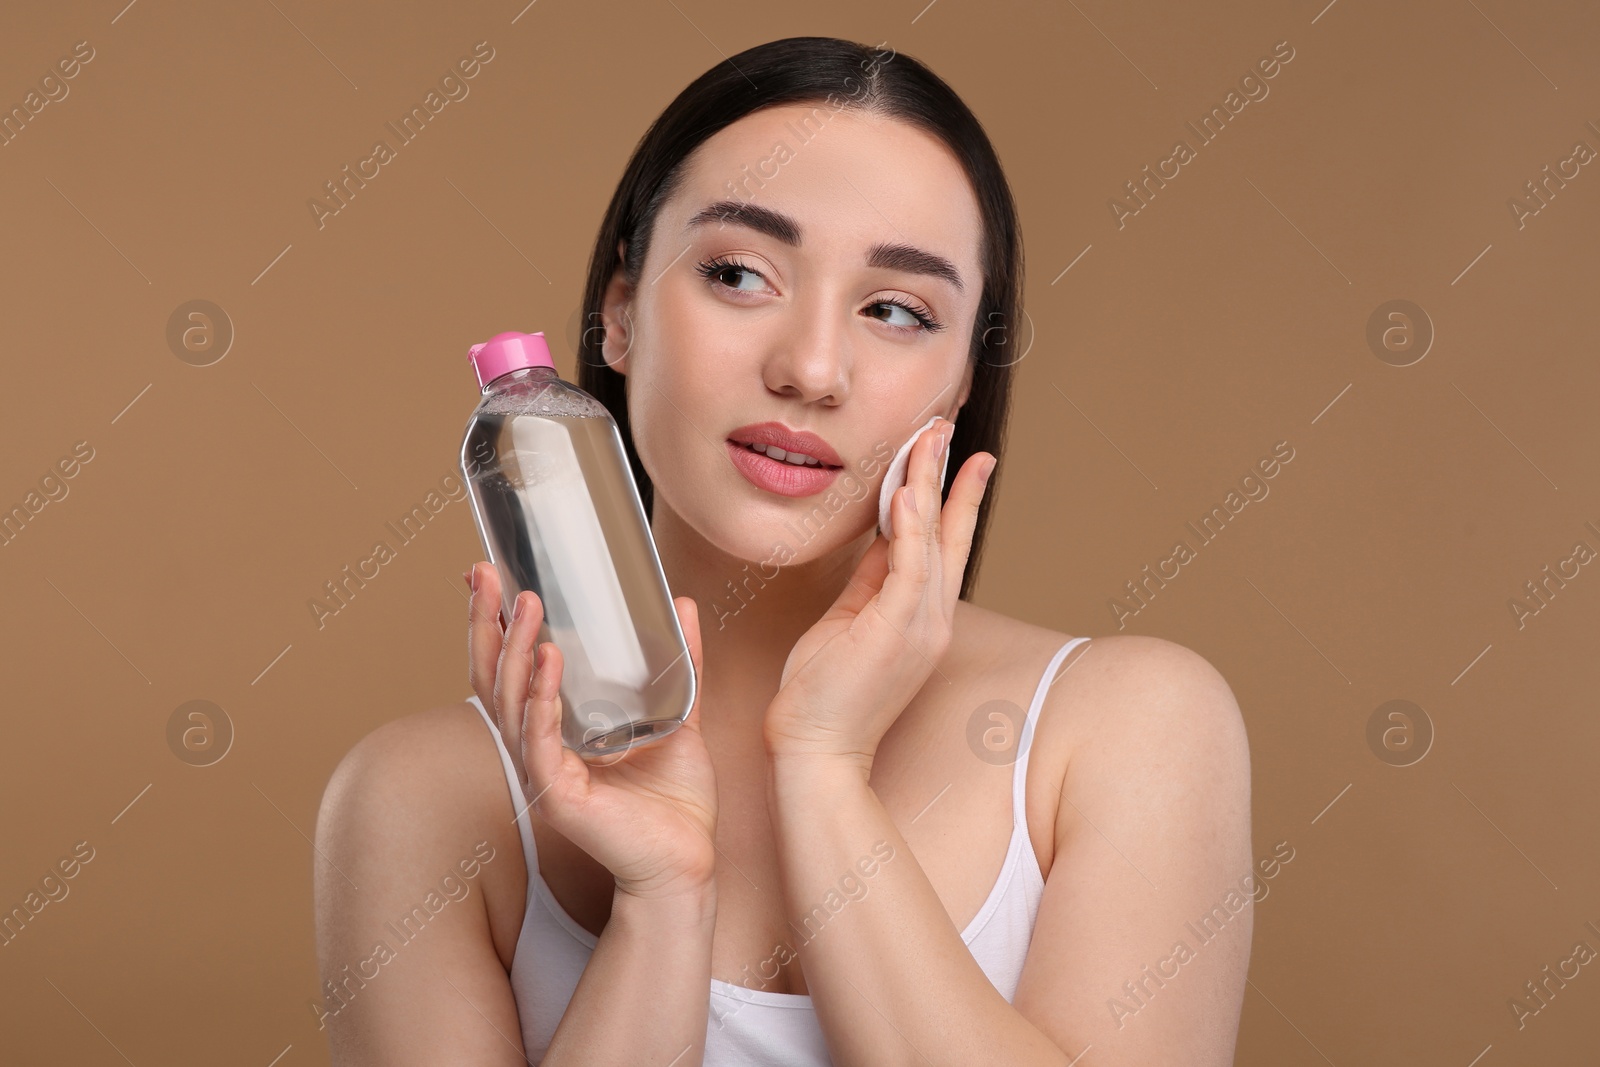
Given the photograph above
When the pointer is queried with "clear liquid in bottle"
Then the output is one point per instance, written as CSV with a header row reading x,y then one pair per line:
x,y
559,513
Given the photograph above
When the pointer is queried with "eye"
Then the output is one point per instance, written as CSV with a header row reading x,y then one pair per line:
x,y
718,269
919,315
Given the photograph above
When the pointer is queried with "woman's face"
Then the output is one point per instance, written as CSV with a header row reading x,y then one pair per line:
x,y
815,269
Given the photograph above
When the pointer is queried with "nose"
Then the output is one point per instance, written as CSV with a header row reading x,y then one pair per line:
x,y
810,362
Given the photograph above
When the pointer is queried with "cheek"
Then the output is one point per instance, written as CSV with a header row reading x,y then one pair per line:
x,y
901,402
695,377
678,406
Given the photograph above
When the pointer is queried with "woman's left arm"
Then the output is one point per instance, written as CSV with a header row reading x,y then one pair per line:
x,y
1163,792
1160,790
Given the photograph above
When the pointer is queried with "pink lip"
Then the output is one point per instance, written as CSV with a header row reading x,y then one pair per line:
x,y
776,476
780,436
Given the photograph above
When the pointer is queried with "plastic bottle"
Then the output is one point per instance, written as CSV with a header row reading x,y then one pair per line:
x,y
559,513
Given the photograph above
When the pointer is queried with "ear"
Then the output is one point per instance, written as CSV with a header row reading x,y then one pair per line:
x,y
617,319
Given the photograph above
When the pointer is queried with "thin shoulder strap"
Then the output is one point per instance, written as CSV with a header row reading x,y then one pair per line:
x,y
519,805
1019,805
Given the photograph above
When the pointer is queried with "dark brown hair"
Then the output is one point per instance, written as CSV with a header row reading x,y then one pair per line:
x,y
856,76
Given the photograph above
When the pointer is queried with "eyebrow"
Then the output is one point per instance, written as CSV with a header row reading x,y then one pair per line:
x,y
899,257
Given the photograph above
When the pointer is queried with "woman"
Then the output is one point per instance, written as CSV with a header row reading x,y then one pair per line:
x,y
865,841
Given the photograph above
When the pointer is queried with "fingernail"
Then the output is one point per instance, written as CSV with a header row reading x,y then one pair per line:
x,y
911,498
988,469
466,576
516,608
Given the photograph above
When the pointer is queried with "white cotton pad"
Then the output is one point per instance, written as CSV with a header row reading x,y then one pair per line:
x,y
896,477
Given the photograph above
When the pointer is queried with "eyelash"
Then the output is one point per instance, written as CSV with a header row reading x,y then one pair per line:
x,y
709,269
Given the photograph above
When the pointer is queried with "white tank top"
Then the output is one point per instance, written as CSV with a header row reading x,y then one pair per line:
x,y
754,1027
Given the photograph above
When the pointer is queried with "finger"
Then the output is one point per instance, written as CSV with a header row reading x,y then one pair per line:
x,y
868,578
540,748
689,619
514,671
934,483
914,549
930,501
484,634
959,520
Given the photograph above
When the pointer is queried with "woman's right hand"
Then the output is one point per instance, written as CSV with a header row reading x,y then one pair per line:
x,y
649,814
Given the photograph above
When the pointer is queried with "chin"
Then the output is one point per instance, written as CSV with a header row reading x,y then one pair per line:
x,y
784,533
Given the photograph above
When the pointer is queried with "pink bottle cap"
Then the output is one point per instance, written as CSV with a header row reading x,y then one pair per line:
x,y
506,352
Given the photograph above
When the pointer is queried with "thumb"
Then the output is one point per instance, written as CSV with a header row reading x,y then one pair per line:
x,y
689,619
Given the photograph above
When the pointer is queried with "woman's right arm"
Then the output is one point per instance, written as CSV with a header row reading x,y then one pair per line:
x,y
398,821
644,996
416,796
648,816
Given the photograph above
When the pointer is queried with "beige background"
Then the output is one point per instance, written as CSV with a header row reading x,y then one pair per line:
x,y
1228,315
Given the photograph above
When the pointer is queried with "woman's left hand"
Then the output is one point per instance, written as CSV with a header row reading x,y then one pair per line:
x,y
851,675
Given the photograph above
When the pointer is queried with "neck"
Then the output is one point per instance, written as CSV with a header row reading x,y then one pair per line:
x,y
751,612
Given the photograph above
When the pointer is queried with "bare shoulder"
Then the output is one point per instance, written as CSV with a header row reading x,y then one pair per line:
x,y
1151,829
408,843
1115,695
1131,682
1152,734
416,798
